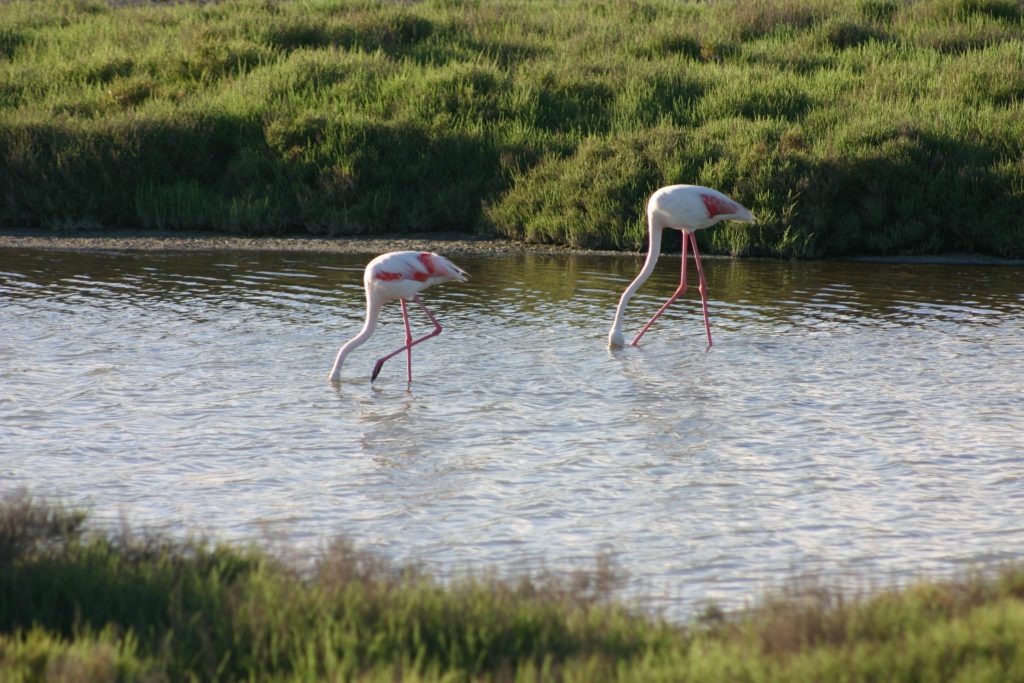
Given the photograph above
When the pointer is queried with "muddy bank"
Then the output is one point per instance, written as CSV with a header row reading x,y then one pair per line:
x,y
138,240
448,244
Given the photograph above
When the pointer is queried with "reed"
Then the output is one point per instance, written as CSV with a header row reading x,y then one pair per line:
x,y
857,126
79,604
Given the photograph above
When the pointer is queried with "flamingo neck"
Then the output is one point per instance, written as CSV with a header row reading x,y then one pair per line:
x,y
615,338
372,316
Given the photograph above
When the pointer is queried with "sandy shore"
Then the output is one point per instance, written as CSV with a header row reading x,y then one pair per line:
x,y
139,240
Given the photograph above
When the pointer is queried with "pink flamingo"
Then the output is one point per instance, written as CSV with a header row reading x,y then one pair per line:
x,y
683,207
398,275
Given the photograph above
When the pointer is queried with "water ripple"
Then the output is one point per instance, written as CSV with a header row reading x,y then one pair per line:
x,y
860,421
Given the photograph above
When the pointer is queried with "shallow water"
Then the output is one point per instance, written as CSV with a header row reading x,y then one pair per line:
x,y
860,422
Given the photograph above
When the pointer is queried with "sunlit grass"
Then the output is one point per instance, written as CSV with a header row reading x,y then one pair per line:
x,y
77,604
859,126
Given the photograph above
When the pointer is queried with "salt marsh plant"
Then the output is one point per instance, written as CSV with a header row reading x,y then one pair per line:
x,y
857,126
77,603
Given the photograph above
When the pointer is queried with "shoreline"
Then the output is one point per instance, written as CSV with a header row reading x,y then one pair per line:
x,y
168,240
443,243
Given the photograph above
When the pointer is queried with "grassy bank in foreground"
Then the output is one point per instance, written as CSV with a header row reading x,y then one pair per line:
x,y
75,606
849,126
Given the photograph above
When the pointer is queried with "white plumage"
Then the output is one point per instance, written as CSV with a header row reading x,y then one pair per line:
x,y
400,275
687,208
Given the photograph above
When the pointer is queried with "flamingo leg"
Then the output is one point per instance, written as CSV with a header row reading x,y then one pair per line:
x,y
410,342
703,287
679,291
408,339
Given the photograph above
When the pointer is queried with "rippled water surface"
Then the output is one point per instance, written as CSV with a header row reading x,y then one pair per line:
x,y
861,422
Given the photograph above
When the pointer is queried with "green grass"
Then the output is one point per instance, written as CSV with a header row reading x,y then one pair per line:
x,y
855,126
79,605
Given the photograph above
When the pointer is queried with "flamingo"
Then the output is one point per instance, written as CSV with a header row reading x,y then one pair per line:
x,y
398,275
687,208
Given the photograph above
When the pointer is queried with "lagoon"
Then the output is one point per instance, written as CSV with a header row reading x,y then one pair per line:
x,y
860,423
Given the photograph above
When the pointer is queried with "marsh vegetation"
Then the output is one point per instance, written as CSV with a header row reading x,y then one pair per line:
x,y
77,604
858,126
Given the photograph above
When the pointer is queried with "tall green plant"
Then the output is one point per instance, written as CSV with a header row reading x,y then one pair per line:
x,y
857,126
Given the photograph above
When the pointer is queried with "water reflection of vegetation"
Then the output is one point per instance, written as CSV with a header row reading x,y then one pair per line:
x,y
528,288
100,607
854,126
